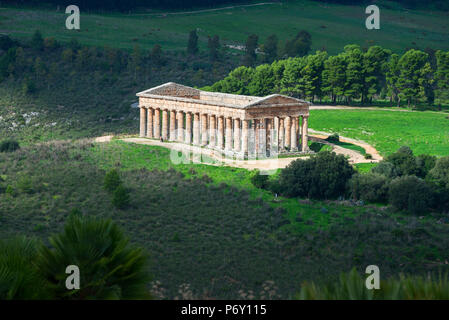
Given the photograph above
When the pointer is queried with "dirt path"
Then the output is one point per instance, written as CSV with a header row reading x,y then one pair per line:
x,y
205,10
212,157
355,157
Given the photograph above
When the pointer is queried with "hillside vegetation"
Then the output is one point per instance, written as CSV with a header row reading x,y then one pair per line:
x,y
331,25
216,237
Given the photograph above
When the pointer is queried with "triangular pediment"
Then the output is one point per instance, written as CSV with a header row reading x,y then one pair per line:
x,y
276,99
172,89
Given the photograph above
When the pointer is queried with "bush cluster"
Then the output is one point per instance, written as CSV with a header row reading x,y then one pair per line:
x,y
120,194
323,176
9,146
415,184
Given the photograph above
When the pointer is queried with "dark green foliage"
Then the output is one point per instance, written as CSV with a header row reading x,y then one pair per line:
x,y
425,163
37,42
411,194
323,176
353,75
28,86
351,286
250,56
298,46
333,138
385,168
439,174
120,197
214,45
112,180
24,185
270,48
192,44
6,42
20,279
9,146
110,267
369,187
260,180
404,161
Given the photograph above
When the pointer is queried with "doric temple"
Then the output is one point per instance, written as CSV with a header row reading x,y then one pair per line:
x,y
230,123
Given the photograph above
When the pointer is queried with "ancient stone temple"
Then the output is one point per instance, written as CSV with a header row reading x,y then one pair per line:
x,y
233,124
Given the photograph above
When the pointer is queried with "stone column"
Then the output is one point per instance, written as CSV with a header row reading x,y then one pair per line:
x,y
237,136
298,126
256,123
165,124
275,134
228,140
143,121
203,129
288,133
305,133
245,125
188,127
212,130
196,128
150,123
294,138
269,135
220,133
172,132
281,133
180,129
157,123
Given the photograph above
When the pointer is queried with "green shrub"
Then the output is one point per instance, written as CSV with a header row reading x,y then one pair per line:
x,y
110,267
439,174
322,176
368,156
351,286
9,146
333,138
120,198
19,279
404,161
112,180
24,185
425,163
385,168
411,194
10,190
369,187
260,180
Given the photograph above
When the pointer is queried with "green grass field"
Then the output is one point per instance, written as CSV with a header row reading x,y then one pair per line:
x,y
331,26
424,132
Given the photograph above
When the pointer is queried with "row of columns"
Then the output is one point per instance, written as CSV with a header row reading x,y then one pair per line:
x,y
224,133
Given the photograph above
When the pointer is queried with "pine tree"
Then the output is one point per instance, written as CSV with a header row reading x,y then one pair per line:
x,y
192,44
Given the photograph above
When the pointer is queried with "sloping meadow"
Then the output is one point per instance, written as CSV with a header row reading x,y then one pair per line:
x,y
207,239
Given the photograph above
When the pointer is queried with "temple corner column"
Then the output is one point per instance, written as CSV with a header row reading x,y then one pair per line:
x,y
305,134
143,122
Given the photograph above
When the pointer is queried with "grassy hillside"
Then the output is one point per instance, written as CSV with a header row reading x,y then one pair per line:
x,y
207,226
424,132
331,26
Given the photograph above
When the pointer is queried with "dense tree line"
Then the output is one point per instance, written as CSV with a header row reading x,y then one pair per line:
x,y
353,75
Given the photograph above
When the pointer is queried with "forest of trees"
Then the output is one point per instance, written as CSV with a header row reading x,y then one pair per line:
x,y
353,75
124,5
